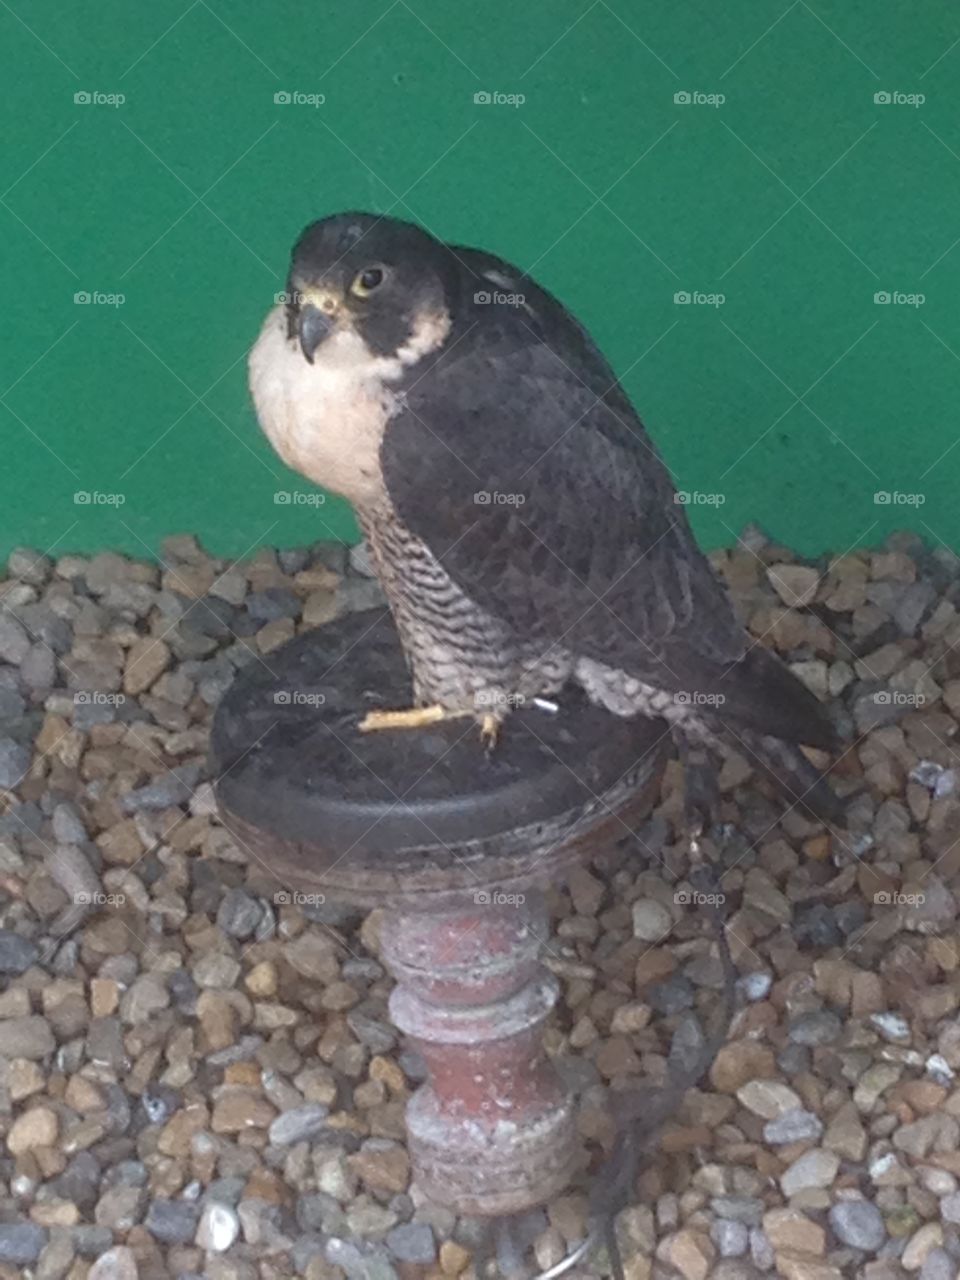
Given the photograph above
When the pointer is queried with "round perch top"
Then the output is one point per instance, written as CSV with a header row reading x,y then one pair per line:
x,y
393,813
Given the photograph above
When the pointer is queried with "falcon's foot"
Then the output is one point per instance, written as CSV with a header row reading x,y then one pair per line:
x,y
421,717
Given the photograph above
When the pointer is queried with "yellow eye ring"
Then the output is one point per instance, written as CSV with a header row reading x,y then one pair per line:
x,y
365,281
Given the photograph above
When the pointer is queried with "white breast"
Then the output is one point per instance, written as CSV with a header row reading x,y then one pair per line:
x,y
325,420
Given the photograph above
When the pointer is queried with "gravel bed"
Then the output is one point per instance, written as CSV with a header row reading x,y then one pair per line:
x,y
200,1080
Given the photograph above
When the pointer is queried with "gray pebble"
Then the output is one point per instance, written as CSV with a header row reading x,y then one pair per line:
x,y
91,1241
21,1242
272,604
816,926
359,560
68,826
105,1042
80,1181
794,1059
159,1103
17,954
362,969
761,1250
412,1242
318,1211
413,1066
755,986
858,1223
12,705
298,1123
239,914
360,1261
225,1190
175,788
333,555
357,594
375,1033
47,628
731,1238
70,867
822,1027
912,605
29,566
38,670
796,1125
672,996
88,714
245,1048
14,640
214,618
304,1249
938,1265
14,763
172,1221
28,1037
183,991
745,1209
850,916
293,559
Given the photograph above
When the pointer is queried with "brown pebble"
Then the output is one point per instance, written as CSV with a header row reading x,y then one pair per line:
x,y
454,1258
37,1127
238,1109
740,1061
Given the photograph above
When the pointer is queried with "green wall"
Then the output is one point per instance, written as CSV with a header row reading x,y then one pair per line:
x,y
798,199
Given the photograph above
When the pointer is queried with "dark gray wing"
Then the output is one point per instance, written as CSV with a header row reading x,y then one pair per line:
x,y
546,503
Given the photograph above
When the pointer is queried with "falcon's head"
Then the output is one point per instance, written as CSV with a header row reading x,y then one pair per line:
x,y
386,282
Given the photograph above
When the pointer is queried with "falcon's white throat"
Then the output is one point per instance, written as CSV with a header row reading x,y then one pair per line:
x,y
326,419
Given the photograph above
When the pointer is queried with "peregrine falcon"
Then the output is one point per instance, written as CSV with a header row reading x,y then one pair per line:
x,y
521,522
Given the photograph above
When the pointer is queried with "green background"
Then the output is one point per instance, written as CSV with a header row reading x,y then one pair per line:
x,y
798,199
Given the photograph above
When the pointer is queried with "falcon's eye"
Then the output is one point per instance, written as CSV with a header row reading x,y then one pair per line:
x,y
366,281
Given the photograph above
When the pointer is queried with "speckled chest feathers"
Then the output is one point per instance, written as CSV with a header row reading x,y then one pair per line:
x,y
459,655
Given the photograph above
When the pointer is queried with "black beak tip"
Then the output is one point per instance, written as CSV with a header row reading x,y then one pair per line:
x,y
313,325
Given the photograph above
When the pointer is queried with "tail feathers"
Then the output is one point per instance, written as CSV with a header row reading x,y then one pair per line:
x,y
777,702
789,770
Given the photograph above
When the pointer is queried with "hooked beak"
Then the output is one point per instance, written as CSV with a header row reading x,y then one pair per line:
x,y
313,325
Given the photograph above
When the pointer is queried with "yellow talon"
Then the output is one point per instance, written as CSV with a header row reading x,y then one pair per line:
x,y
421,717
411,718
490,730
